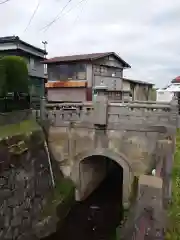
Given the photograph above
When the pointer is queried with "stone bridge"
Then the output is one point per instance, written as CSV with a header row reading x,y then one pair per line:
x,y
131,134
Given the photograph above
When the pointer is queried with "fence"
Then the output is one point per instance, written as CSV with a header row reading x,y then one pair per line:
x,y
14,103
14,109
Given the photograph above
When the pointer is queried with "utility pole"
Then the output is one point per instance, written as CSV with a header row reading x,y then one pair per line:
x,y
45,55
45,44
45,65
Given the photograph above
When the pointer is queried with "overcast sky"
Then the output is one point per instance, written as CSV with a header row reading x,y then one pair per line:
x,y
145,33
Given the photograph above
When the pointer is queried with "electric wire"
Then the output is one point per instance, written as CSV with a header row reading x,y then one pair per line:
x,y
32,16
4,1
57,18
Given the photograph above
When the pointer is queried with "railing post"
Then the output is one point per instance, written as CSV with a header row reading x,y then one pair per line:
x,y
100,116
174,113
101,106
43,109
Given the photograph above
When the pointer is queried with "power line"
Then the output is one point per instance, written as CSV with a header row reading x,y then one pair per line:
x,y
5,1
33,15
78,16
57,16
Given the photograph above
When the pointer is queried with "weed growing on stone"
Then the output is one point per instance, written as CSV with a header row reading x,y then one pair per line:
x,y
60,195
173,231
17,129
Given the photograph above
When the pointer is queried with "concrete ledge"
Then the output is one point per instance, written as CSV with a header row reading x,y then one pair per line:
x,y
15,117
151,181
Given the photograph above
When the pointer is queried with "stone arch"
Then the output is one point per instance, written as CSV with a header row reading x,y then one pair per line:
x,y
119,158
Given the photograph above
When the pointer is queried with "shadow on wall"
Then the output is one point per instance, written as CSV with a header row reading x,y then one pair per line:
x,y
93,170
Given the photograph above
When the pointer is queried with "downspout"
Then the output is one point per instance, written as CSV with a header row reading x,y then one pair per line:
x,y
50,165
43,125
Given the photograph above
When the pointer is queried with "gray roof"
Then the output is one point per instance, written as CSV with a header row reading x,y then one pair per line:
x,y
138,82
16,39
85,57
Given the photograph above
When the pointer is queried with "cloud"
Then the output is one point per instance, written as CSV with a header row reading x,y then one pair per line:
x,y
143,33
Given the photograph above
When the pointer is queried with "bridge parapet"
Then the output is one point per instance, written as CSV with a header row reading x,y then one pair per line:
x,y
111,114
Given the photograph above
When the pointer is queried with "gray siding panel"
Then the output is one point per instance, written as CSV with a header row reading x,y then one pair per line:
x,y
111,62
113,83
37,71
66,94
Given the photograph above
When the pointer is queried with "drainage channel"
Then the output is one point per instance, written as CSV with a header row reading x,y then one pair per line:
x,y
98,216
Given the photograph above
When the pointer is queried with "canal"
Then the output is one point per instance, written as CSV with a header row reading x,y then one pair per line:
x,y
97,217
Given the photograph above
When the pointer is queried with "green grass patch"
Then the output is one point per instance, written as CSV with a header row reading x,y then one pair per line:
x,y
173,231
18,129
61,193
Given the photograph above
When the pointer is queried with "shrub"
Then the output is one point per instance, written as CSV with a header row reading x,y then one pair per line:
x,y
13,75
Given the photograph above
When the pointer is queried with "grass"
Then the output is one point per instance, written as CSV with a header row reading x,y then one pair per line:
x,y
173,231
60,195
17,129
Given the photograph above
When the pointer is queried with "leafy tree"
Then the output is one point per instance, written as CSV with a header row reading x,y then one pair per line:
x,y
13,75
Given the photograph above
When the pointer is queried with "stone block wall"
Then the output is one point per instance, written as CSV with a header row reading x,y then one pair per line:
x,y
146,219
25,182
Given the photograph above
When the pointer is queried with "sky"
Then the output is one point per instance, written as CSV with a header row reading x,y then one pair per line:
x,y
145,33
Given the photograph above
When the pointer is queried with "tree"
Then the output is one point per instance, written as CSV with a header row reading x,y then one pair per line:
x,y
13,75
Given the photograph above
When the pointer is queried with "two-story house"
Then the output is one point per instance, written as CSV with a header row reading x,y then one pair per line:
x,y
33,56
73,78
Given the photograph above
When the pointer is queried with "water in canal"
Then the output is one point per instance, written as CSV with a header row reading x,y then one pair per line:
x,y
97,217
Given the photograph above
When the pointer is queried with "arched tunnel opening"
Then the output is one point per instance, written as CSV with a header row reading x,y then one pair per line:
x,y
97,215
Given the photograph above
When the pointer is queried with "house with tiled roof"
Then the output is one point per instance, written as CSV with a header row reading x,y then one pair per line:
x,y
73,78
14,46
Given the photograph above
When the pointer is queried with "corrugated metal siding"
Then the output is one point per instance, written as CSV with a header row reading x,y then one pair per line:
x,y
66,94
58,84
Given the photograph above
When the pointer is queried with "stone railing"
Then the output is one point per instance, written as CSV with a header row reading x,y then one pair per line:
x,y
105,113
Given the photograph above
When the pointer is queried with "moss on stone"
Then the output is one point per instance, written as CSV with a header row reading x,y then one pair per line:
x,y
24,127
18,148
59,198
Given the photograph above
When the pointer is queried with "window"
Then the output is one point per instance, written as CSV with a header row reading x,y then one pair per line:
x,y
103,69
36,90
32,63
97,69
114,95
67,72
